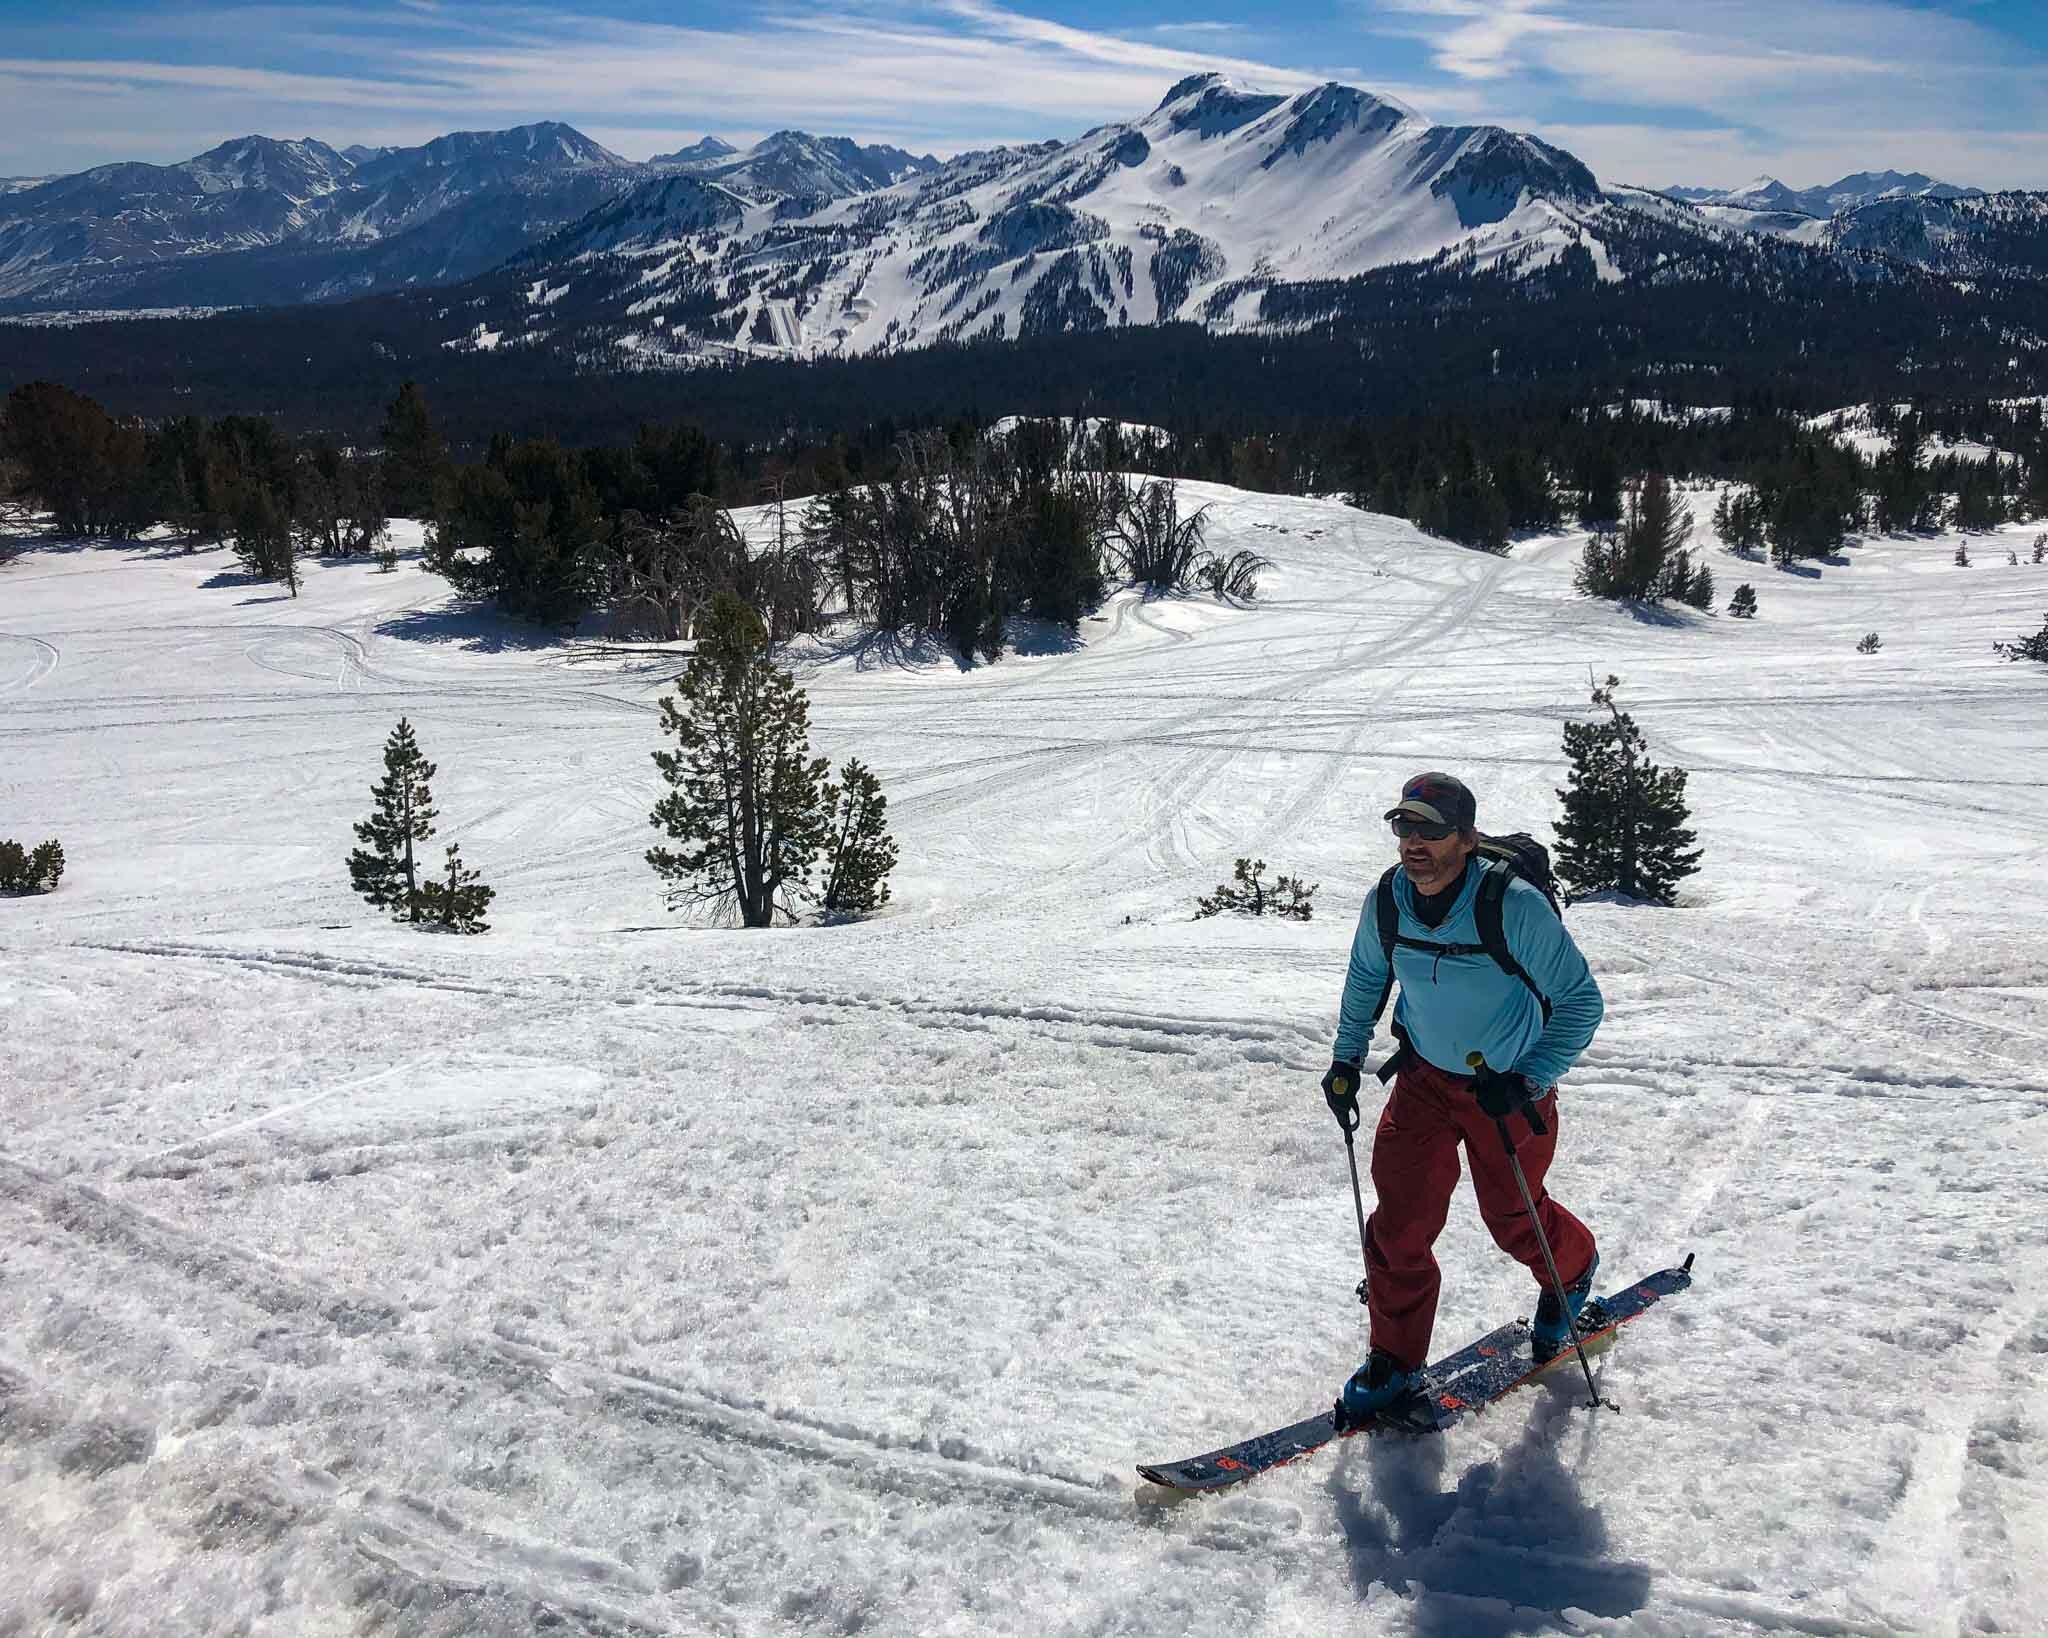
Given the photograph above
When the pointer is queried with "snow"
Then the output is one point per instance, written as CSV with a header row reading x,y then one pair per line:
x,y
71,317
614,1274
1851,425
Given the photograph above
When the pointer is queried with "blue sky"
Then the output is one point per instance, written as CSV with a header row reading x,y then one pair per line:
x,y
1647,91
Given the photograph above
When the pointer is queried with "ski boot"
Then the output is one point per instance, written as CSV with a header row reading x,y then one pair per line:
x,y
1376,1386
1551,1333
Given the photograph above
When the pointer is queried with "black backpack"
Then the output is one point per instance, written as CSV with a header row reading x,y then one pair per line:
x,y
1502,857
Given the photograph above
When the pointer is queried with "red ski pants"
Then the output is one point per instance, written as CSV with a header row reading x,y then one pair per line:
x,y
1414,1173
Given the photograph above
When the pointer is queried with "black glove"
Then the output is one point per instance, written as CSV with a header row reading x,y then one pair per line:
x,y
1340,1091
1501,1095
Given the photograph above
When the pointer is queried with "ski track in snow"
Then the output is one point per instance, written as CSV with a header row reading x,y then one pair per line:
x,y
614,1275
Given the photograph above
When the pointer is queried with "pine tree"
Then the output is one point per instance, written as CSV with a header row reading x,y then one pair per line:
x,y
1962,554
384,872
1743,604
458,903
1600,488
1870,643
1653,533
1698,591
1624,818
2026,648
262,525
859,853
1289,896
23,871
746,800
1647,561
415,454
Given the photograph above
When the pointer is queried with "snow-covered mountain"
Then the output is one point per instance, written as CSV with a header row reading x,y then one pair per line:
x,y
1768,194
797,165
1903,216
1966,236
259,221
703,150
1191,212
250,192
1846,193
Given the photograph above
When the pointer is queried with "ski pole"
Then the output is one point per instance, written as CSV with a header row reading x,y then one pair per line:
x,y
1345,1108
1477,1061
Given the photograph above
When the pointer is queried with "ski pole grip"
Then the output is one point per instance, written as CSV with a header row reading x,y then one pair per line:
x,y
1476,1062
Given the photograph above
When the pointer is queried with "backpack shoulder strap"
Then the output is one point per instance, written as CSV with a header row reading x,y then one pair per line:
x,y
1387,914
1493,934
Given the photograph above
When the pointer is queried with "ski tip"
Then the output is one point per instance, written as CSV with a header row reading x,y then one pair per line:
x,y
1686,1266
1154,1493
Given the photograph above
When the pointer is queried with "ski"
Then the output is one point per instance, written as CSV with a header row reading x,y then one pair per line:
x,y
1456,1386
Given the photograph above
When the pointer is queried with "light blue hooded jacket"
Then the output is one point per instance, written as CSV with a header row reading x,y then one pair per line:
x,y
1454,1005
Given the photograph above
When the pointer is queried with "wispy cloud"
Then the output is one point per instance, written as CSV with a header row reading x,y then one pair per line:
x,y
1645,90
940,73
1741,85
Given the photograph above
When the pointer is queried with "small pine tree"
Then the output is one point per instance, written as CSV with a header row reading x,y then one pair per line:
x,y
859,853
745,798
2012,560
2026,648
458,903
1870,644
1624,817
1288,896
1743,604
1962,554
384,871
1698,590
387,560
2041,548
262,526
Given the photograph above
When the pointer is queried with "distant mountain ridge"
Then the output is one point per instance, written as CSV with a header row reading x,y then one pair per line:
x,y
1850,192
1192,211
1226,204
258,220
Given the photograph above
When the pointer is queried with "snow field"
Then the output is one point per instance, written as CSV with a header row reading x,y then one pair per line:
x,y
655,1278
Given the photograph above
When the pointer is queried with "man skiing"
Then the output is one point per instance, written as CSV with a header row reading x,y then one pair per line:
x,y
1458,1003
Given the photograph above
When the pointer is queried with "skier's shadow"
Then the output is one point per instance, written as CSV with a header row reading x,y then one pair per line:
x,y
1506,1551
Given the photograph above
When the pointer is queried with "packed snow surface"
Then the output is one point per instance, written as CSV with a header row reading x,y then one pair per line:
x,y
607,1274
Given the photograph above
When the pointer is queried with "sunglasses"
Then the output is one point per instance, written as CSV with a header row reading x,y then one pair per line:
x,y
1405,827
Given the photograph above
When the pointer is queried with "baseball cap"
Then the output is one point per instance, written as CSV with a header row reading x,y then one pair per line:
x,y
1438,799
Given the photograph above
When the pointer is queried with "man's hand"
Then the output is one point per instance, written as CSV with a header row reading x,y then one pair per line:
x,y
1340,1091
1501,1095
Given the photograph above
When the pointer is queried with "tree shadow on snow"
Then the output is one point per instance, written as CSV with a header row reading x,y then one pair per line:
x,y
1032,638
1655,614
875,650
1507,1550
477,630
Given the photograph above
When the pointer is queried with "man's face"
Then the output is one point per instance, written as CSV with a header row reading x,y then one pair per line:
x,y
1432,861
